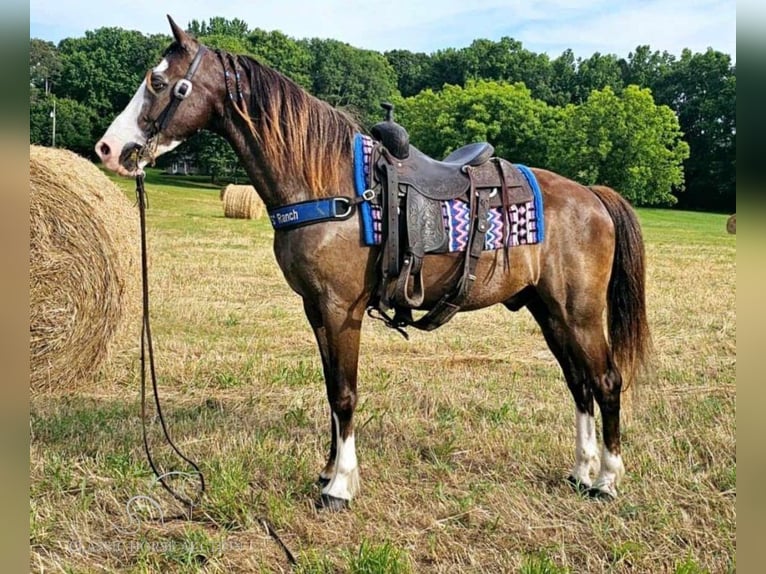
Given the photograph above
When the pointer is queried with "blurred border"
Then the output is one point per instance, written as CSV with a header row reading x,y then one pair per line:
x,y
14,286
751,281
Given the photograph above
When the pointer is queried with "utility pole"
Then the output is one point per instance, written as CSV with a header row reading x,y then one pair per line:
x,y
53,115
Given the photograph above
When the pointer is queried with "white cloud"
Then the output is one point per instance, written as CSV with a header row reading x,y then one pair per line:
x,y
549,26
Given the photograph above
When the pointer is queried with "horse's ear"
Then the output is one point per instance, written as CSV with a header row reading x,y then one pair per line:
x,y
180,36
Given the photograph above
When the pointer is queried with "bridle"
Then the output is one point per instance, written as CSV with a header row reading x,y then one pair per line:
x,y
181,90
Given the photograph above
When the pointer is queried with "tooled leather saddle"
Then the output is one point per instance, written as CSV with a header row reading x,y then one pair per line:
x,y
412,188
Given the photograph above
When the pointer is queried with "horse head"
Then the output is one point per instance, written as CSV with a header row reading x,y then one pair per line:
x,y
171,104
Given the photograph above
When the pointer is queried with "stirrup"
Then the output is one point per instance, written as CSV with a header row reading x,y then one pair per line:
x,y
404,285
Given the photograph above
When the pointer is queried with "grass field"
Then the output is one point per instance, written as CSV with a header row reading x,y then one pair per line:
x,y
455,477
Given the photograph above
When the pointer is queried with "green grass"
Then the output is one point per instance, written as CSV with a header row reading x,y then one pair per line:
x,y
456,477
541,564
685,227
373,558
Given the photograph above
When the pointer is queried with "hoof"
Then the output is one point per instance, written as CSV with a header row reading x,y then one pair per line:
x,y
322,481
331,503
598,494
578,485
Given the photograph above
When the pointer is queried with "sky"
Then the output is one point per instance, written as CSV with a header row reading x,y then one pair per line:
x,y
542,26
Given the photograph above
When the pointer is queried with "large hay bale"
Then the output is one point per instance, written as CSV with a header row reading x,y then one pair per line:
x,y
85,284
242,202
731,224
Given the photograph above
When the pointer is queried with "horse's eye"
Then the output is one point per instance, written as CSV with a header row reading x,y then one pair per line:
x,y
158,83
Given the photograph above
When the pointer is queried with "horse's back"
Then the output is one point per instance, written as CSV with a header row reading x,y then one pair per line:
x,y
569,204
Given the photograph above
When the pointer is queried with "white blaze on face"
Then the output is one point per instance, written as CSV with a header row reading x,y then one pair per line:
x,y
162,66
125,130
345,483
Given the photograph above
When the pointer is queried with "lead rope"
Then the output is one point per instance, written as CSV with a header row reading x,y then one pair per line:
x,y
146,345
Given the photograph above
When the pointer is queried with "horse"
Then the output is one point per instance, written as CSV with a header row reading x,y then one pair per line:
x,y
584,284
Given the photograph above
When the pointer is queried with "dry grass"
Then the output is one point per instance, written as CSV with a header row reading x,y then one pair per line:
x,y
84,281
464,436
242,202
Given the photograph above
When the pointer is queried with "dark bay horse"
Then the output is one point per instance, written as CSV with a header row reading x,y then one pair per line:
x,y
584,284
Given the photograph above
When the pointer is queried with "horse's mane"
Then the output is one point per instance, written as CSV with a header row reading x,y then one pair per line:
x,y
297,132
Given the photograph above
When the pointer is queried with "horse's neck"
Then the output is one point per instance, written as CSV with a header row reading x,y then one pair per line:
x,y
282,186
276,189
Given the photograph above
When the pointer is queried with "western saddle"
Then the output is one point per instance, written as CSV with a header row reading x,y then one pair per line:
x,y
413,187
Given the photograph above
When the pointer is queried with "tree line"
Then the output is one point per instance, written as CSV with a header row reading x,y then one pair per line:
x,y
659,128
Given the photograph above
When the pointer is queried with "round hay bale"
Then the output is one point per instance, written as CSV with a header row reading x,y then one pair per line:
x,y
731,224
85,284
242,202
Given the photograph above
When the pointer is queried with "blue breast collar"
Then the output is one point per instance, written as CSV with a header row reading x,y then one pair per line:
x,y
313,211
327,208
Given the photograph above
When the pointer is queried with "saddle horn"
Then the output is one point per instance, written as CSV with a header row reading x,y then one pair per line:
x,y
389,107
392,135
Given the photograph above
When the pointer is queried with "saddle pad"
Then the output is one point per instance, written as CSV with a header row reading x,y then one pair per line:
x,y
523,219
526,219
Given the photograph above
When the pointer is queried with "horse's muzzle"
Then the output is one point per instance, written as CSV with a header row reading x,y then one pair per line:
x,y
130,156
126,163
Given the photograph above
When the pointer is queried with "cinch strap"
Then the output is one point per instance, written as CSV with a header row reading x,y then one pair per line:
x,y
314,211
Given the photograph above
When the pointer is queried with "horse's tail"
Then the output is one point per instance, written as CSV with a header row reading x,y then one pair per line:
x,y
626,302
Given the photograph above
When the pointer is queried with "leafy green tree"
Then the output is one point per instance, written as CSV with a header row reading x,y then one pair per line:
x,y
44,66
40,121
563,79
646,68
218,26
214,157
351,78
74,123
503,114
103,69
596,73
424,116
702,89
625,141
282,53
231,44
507,60
448,66
413,70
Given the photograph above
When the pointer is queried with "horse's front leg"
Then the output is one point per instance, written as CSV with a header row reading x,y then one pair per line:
x,y
337,330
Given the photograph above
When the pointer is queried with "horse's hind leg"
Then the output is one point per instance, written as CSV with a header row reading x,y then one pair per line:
x,y
581,349
586,449
337,333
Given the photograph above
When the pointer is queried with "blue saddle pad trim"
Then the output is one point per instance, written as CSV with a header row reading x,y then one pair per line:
x,y
538,199
360,184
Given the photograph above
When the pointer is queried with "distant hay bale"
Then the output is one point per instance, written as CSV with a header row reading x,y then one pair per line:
x,y
242,202
84,270
731,224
